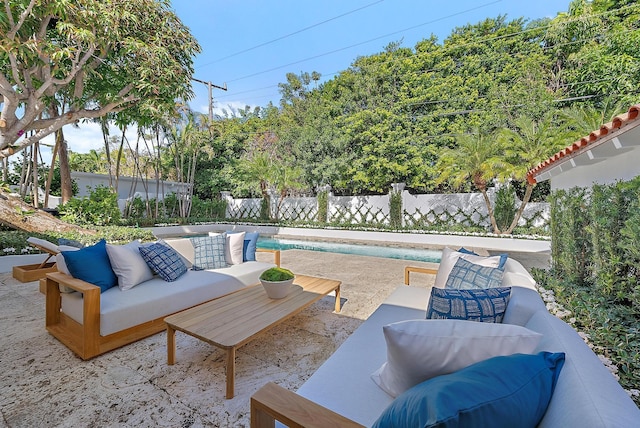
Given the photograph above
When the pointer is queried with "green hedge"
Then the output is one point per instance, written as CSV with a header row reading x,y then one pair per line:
x,y
596,268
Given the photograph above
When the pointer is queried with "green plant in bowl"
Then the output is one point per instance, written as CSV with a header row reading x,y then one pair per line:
x,y
277,282
277,274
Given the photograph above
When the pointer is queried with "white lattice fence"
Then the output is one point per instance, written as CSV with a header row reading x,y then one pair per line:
x,y
419,211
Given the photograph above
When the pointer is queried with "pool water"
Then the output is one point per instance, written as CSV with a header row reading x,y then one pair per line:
x,y
419,255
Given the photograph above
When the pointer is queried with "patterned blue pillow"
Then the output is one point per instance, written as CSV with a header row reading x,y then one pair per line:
x,y
486,305
209,252
163,260
466,275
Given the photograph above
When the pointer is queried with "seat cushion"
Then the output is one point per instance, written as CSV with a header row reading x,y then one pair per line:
x,y
152,299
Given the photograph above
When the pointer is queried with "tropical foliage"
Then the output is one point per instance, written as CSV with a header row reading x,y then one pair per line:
x,y
479,108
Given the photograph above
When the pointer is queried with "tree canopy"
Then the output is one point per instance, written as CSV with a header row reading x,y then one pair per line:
x,y
522,88
66,60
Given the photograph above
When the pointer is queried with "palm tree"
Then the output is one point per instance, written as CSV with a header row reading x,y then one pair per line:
x,y
476,159
582,120
525,146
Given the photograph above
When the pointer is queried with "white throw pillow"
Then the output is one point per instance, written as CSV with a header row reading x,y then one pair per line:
x,y
233,248
418,350
449,259
128,265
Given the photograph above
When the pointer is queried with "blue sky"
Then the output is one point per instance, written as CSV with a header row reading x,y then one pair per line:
x,y
252,45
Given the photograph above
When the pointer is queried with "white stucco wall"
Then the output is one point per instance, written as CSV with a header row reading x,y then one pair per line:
x,y
625,166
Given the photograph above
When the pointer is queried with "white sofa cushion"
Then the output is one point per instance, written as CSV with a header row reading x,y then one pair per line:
x,y
152,299
418,350
156,298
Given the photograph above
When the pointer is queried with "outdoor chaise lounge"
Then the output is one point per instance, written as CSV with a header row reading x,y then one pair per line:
x,y
34,272
352,388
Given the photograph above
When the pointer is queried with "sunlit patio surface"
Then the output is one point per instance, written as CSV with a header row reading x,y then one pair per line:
x,y
42,383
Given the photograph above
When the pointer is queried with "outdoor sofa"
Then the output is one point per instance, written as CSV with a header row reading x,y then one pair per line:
x,y
342,392
91,321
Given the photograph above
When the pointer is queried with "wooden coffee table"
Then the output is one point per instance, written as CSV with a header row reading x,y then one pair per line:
x,y
235,319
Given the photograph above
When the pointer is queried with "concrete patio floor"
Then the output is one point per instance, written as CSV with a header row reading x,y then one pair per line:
x,y
43,384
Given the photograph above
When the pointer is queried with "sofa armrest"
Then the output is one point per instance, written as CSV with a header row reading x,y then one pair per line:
x,y
90,309
416,269
276,254
273,403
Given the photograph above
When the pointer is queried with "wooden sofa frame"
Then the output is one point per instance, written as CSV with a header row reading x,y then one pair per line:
x,y
85,339
274,403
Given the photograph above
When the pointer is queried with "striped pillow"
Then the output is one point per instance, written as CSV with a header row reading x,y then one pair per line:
x,y
163,260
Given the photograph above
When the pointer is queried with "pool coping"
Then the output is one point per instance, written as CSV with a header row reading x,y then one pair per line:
x,y
416,240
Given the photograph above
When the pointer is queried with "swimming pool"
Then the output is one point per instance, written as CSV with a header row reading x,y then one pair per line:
x,y
414,254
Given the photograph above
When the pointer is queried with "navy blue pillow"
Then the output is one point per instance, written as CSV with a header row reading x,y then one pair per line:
x,y
91,264
510,391
163,260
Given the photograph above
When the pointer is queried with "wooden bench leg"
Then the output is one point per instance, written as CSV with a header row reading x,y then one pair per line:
x,y
231,371
171,346
338,299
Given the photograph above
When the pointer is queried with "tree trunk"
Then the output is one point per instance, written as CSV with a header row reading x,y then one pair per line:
x,y
525,201
35,174
19,215
47,187
492,217
65,171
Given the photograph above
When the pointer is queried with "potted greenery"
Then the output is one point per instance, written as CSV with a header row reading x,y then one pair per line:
x,y
277,282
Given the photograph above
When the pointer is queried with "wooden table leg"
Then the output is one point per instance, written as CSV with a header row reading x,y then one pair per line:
x,y
231,371
338,299
171,345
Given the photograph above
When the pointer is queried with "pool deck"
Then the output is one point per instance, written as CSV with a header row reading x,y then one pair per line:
x,y
44,384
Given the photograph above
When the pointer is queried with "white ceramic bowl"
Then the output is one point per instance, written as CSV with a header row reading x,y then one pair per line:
x,y
277,290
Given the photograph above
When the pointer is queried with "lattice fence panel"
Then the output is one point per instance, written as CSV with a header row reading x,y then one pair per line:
x,y
247,208
299,213
358,215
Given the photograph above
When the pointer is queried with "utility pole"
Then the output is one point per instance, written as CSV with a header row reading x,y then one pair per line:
x,y
210,86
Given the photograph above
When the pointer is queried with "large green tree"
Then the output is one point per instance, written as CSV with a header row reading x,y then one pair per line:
x,y
66,60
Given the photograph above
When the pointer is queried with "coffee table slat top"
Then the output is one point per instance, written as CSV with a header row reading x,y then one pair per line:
x,y
235,319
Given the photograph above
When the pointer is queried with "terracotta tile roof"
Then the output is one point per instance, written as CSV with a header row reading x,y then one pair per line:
x,y
586,142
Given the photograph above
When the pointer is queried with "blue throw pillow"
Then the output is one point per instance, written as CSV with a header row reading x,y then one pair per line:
x,y
250,245
209,252
163,260
91,264
511,391
466,275
465,251
486,305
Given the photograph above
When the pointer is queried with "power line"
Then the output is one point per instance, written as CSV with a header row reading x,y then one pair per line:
x,y
489,38
366,41
291,34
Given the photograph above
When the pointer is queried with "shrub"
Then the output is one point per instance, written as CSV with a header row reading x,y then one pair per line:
x,y
323,206
100,208
505,208
395,210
